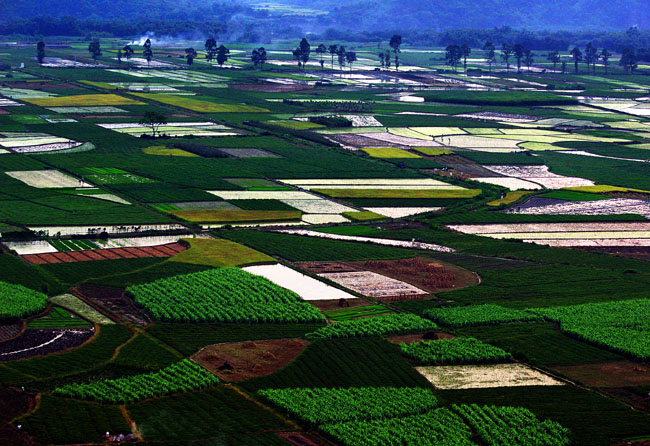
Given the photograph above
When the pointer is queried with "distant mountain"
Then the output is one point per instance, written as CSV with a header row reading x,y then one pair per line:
x,y
294,17
206,10
530,14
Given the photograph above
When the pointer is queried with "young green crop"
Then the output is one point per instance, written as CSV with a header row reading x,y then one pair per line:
x,y
222,295
622,326
322,405
454,351
374,326
16,301
182,376
439,427
478,315
514,426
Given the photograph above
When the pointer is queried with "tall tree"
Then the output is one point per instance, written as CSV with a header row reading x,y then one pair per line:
x,y
604,56
305,50
350,58
465,51
321,50
529,58
506,53
297,54
95,50
381,59
554,58
210,49
591,57
341,56
387,59
222,55
40,51
119,57
153,120
490,54
333,50
147,52
518,51
577,57
629,60
453,54
301,53
190,54
128,51
262,57
255,57
395,43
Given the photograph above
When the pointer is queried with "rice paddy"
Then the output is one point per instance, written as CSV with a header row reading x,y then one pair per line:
x,y
84,100
198,105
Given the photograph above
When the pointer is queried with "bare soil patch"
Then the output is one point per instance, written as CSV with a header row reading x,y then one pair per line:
x,y
635,252
427,274
41,85
12,404
464,167
239,361
112,301
167,250
9,331
299,438
636,400
354,140
39,342
336,304
417,337
620,373
326,267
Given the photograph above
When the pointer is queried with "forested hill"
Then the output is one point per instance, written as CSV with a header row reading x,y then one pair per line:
x,y
208,10
253,19
529,14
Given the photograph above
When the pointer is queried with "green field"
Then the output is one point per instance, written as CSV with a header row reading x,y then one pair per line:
x,y
371,165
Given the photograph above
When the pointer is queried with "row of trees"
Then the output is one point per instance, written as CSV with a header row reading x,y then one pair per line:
x,y
591,56
454,54
302,54
212,52
523,55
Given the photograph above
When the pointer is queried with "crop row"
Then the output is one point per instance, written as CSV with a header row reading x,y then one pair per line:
x,y
182,376
514,426
439,427
16,301
222,295
454,351
324,405
494,426
478,315
622,326
375,326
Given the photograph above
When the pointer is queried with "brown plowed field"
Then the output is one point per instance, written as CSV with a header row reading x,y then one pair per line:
x,y
105,254
239,361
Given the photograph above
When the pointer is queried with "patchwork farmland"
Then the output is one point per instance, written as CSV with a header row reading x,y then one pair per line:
x,y
279,246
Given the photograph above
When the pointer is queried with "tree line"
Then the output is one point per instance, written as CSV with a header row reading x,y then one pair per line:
x,y
522,55
212,52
